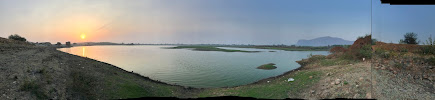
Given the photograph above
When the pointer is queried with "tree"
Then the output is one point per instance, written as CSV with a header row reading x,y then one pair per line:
x,y
429,41
17,37
410,38
58,44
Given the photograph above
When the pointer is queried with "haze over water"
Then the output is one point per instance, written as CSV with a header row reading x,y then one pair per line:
x,y
195,68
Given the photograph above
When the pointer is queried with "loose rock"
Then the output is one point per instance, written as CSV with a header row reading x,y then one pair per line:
x,y
337,81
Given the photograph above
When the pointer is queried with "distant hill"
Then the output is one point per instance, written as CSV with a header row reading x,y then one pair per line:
x,y
97,43
324,41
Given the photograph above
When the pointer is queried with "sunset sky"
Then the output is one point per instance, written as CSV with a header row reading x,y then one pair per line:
x,y
184,21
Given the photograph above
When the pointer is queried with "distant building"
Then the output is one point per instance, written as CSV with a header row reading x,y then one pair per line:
x,y
68,44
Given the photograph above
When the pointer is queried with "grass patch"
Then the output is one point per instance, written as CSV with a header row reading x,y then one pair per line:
x,y
338,61
275,89
323,61
345,82
123,86
34,88
208,48
131,90
83,84
427,49
431,61
382,53
268,66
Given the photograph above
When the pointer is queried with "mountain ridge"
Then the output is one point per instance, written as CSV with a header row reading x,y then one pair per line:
x,y
324,41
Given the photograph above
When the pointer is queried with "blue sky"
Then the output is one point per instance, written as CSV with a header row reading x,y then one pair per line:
x,y
391,22
185,21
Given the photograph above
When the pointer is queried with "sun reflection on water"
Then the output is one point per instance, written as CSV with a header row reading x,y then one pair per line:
x,y
83,51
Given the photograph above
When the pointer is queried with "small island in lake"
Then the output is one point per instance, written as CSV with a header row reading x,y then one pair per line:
x,y
268,66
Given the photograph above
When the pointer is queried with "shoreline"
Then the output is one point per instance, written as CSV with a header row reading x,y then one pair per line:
x,y
131,72
187,87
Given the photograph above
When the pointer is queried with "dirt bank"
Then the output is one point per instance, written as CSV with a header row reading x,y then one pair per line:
x,y
31,72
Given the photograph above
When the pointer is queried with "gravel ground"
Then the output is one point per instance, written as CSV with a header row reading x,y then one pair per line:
x,y
342,81
406,80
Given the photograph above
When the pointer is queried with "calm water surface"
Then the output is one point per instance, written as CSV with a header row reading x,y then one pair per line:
x,y
195,68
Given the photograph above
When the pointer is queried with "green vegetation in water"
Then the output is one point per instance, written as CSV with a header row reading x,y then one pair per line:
x,y
291,48
208,48
278,88
268,66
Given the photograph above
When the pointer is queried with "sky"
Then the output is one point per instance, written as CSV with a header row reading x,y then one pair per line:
x,y
391,22
185,21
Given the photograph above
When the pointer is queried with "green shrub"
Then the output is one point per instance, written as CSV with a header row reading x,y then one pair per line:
x,y
382,53
365,52
311,58
17,37
403,50
427,49
316,57
431,61
33,88
374,41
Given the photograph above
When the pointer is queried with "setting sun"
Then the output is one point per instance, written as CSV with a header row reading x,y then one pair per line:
x,y
83,36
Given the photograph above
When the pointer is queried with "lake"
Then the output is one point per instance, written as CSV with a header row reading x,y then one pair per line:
x,y
201,69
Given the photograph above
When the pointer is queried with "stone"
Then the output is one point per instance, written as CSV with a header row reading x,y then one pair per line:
x,y
361,78
356,86
368,95
332,83
312,91
337,81
356,96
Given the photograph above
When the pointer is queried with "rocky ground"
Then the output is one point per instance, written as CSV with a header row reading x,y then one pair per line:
x,y
341,81
406,76
31,72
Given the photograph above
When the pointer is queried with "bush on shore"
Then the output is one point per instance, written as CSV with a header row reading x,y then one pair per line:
x,y
17,37
311,59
